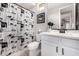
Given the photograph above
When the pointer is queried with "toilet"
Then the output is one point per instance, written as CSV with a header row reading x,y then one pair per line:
x,y
33,47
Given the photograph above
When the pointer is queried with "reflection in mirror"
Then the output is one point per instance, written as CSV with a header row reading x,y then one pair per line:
x,y
66,21
67,17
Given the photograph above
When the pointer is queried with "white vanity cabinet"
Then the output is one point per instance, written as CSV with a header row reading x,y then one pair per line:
x,y
55,45
48,49
67,51
49,46
70,47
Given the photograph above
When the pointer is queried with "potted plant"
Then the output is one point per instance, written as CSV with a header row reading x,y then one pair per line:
x,y
50,24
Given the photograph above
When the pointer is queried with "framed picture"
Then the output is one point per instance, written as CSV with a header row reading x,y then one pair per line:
x,y
41,18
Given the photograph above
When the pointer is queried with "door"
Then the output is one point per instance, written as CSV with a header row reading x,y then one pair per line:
x,y
49,49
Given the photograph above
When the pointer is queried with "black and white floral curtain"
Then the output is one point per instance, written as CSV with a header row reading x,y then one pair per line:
x,y
16,28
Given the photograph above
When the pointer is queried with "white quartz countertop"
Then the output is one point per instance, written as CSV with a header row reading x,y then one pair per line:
x,y
65,35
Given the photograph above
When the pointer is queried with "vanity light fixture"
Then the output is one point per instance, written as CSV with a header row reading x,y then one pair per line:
x,y
40,6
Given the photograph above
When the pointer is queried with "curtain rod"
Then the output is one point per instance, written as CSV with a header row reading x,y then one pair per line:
x,y
23,7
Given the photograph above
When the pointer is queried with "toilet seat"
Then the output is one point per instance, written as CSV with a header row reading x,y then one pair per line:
x,y
33,45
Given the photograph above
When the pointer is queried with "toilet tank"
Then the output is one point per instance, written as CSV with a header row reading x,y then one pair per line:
x,y
38,37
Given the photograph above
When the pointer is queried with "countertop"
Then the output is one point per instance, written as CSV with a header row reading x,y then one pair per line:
x,y
64,35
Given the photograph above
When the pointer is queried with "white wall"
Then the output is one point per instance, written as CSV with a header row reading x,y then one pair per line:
x,y
53,16
50,15
41,26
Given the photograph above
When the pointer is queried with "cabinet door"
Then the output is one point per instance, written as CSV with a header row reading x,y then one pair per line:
x,y
67,51
48,49
70,47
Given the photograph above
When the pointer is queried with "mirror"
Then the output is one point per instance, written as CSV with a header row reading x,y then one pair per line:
x,y
67,17
62,15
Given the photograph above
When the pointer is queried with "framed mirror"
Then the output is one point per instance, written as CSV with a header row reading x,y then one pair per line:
x,y
62,15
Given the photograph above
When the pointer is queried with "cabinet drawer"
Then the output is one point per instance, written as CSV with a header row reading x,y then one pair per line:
x,y
50,39
70,51
47,43
71,43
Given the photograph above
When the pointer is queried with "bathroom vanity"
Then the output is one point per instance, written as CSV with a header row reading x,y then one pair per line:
x,y
64,42
59,44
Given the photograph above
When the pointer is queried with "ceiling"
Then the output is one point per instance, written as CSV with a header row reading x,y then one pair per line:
x,y
26,5
56,5
50,5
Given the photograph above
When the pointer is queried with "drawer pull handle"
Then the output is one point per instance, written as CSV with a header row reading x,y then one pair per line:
x,y
62,51
57,49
